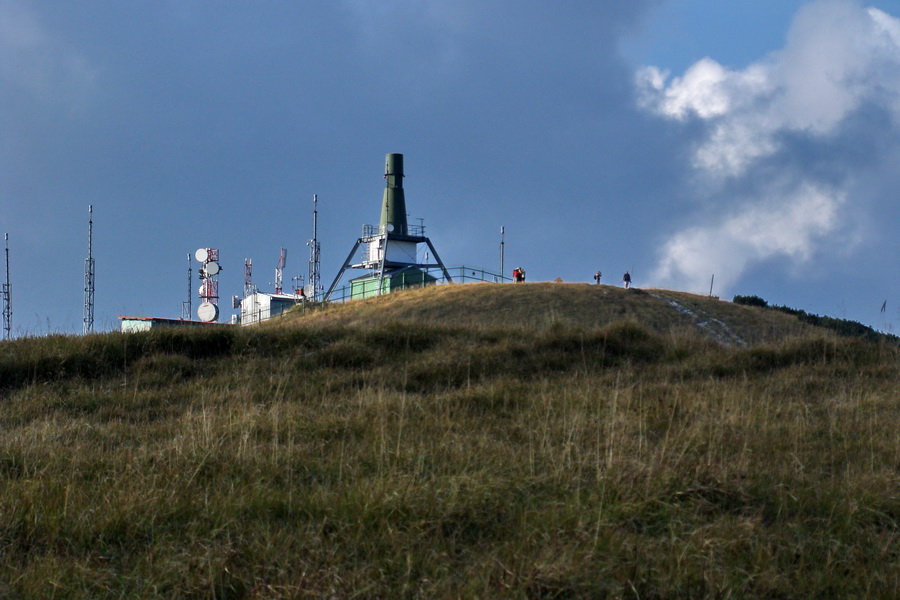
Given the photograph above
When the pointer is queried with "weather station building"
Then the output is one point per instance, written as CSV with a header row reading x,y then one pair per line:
x,y
390,249
260,306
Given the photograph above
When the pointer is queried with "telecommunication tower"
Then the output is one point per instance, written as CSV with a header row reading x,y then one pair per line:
x,y
88,326
279,271
7,298
209,284
249,290
186,306
315,279
391,247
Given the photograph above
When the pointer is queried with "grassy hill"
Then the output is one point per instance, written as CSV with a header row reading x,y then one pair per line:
x,y
537,306
479,441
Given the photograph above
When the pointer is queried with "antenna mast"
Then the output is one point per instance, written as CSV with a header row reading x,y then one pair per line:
x,y
7,299
279,271
209,286
186,306
315,278
88,326
502,233
248,278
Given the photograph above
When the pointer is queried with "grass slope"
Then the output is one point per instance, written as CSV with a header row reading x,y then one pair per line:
x,y
542,305
420,456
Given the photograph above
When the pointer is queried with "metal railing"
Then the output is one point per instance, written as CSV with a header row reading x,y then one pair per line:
x,y
460,274
371,231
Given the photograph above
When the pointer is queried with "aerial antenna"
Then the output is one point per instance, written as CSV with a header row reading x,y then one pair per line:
x,y
7,298
88,326
186,306
502,234
248,278
315,277
208,310
279,271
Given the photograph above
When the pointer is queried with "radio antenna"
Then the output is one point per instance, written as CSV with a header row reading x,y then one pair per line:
x,y
314,282
88,326
7,298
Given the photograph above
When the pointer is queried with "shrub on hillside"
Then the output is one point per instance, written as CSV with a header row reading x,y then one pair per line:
x,y
750,301
842,327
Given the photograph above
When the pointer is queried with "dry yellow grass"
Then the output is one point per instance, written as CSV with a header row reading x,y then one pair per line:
x,y
542,305
368,453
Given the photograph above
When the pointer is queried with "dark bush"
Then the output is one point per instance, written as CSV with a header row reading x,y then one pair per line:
x,y
750,301
842,327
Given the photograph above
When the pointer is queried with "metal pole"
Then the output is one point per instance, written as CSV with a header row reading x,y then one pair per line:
x,y
315,276
711,281
502,232
186,307
88,325
7,299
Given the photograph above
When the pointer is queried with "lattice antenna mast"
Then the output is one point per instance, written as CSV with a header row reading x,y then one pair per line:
x,y
7,299
248,278
209,284
88,326
315,266
186,307
279,271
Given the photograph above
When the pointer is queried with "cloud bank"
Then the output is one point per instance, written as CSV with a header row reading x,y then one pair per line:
x,y
769,157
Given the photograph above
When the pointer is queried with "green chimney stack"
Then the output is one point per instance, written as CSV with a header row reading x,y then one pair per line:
x,y
392,250
393,207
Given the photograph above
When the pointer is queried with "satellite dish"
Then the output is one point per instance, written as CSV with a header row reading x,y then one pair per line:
x,y
390,227
201,255
212,268
207,312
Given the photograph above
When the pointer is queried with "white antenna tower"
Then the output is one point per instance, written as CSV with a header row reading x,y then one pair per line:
x,y
279,271
186,306
248,278
315,278
209,287
88,326
7,298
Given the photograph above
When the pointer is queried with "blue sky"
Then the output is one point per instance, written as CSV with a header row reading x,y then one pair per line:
x,y
753,140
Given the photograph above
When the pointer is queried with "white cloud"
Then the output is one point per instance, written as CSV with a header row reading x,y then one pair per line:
x,y
838,58
789,226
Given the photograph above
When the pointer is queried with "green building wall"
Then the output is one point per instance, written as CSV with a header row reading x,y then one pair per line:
x,y
367,287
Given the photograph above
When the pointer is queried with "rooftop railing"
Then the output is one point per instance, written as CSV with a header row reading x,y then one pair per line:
x,y
460,274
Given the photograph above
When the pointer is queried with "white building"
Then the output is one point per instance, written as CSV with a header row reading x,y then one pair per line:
x,y
261,307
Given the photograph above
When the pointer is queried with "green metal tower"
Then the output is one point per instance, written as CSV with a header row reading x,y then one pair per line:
x,y
390,249
393,206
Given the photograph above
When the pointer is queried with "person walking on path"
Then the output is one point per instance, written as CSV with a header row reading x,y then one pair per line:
x,y
626,278
597,276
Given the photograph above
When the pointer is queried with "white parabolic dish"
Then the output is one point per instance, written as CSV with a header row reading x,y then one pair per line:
x,y
201,255
212,268
207,312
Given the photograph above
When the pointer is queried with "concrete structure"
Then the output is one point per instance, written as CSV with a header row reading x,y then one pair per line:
x,y
137,324
260,307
